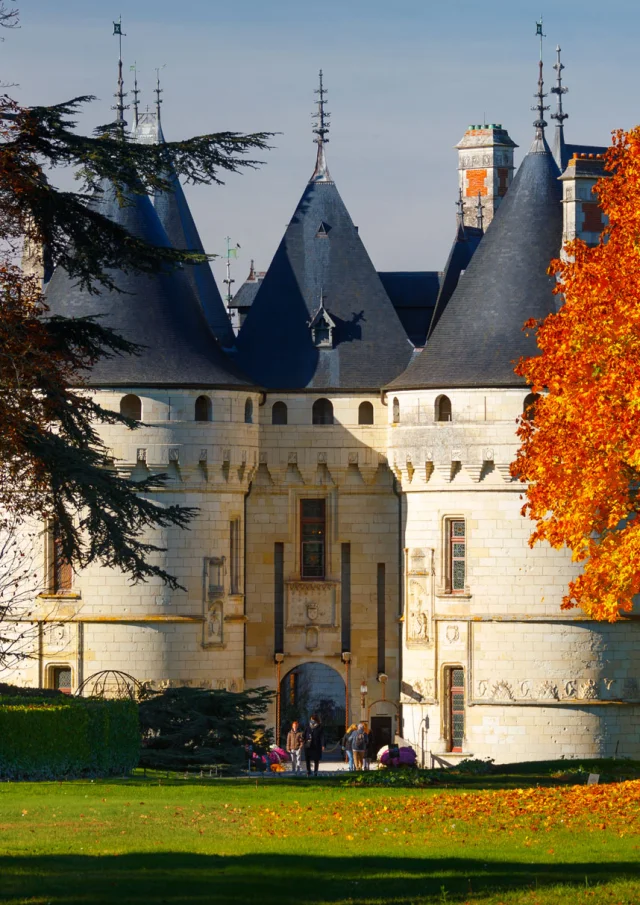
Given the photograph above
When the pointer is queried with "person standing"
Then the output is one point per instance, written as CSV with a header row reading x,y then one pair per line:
x,y
313,744
347,744
295,746
359,745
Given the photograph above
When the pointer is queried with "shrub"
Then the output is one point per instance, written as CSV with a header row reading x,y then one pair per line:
x,y
190,727
49,738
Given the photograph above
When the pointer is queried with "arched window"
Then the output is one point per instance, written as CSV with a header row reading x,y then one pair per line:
x,y
322,412
396,410
365,413
443,408
203,409
279,413
248,412
131,407
529,406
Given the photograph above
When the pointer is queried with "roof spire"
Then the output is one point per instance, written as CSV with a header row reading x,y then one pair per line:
x,y
559,116
158,91
135,93
460,206
540,107
479,214
321,130
120,94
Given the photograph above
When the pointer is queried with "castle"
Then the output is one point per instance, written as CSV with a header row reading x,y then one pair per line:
x,y
359,545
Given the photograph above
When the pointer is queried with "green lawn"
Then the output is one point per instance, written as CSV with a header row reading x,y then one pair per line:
x,y
152,840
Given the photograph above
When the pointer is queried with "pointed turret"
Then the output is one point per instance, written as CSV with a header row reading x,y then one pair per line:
x,y
158,311
464,246
177,220
321,257
479,337
559,89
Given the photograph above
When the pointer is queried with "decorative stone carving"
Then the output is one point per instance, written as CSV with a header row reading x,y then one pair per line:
x,y
609,683
418,561
262,459
416,691
226,455
589,690
525,689
174,454
203,455
292,458
57,637
547,691
456,455
141,455
502,691
452,633
311,638
353,458
322,458
418,615
487,454
428,455
483,688
213,623
570,689
311,601
474,472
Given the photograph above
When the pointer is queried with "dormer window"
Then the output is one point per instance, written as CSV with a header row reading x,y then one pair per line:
x,y
323,230
322,326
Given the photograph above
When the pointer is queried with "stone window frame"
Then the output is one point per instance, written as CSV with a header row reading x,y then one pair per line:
x,y
444,588
446,723
50,671
309,493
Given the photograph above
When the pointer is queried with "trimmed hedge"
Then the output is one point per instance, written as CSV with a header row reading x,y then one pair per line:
x,y
54,739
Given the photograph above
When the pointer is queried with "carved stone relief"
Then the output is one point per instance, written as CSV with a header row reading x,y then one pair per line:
x,y
416,691
214,616
548,690
311,602
452,633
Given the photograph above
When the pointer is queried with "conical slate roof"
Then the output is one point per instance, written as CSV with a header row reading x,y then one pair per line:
x,y
479,337
158,311
178,222
321,263
463,249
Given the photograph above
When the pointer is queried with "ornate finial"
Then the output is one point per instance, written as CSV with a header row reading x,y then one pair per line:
x,y
460,206
158,91
559,116
321,130
120,94
540,107
479,213
135,93
252,272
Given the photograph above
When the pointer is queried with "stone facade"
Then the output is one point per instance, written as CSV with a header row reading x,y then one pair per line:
x,y
538,682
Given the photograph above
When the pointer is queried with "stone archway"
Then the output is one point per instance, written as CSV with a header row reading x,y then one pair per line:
x,y
313,688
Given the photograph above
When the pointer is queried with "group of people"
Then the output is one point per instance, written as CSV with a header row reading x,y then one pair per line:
x,y
358,746
308,742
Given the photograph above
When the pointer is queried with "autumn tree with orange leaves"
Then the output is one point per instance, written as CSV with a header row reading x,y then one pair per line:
x,y
580,456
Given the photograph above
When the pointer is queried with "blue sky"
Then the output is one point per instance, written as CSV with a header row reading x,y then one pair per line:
x,y
404,81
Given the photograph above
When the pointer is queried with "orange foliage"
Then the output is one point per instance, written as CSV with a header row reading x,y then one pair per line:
x,y
581,456
581,808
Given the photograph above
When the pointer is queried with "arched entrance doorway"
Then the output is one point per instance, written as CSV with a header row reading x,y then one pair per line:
x,y
313,688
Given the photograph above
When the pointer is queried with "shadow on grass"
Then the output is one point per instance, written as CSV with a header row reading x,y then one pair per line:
x,y
176,878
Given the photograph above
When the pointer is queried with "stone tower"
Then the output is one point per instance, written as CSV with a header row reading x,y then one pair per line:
x,y
485,168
